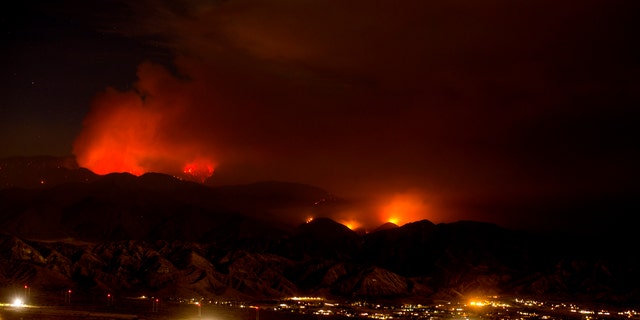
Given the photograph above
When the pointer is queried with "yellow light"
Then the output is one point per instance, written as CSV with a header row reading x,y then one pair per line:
x,y
351,224
17,302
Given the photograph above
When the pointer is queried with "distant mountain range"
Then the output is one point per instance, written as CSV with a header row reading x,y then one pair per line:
x,y
65,227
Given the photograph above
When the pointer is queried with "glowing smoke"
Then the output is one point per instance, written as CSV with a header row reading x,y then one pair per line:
x,y
137,131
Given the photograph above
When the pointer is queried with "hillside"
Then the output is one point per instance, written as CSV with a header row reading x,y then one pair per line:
x,y
159,235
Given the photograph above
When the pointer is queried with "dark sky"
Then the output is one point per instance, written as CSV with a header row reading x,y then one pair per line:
x,y
522,113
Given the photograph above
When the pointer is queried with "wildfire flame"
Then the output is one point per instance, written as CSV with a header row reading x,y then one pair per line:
x,y
200,169
141,130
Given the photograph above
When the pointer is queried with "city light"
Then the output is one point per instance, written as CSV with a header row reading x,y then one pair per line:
x,y
476,303
494,307
17,302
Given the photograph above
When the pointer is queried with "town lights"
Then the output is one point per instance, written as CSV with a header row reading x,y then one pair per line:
x,y
477,303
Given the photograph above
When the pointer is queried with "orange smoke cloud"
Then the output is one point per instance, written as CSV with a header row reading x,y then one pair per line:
x,y
136,131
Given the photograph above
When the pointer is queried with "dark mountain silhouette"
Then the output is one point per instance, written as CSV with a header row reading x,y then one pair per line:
x,y
323,238
156,234
41,172
386,226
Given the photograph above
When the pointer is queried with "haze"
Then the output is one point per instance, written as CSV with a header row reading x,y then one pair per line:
x,y
499,111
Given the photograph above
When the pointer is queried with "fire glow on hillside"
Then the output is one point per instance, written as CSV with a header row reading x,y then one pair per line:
x,y
201,169
404,207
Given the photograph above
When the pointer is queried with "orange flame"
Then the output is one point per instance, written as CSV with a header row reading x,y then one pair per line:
x,y
394,220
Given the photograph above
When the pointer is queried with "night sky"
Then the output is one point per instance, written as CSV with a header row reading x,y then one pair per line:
x,y
522,113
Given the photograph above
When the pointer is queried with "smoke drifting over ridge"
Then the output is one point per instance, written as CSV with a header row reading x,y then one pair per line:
x,y
464,101
255,94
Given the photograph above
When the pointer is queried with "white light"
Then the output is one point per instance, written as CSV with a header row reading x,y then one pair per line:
x,y
17,302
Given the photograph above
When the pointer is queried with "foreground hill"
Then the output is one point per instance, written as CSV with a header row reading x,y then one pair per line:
x,y
162,236
439,264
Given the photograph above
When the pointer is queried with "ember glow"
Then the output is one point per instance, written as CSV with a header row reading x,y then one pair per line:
x,y
352,224
405,207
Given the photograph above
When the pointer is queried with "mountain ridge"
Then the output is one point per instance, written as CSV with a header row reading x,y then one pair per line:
x,y
169,237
